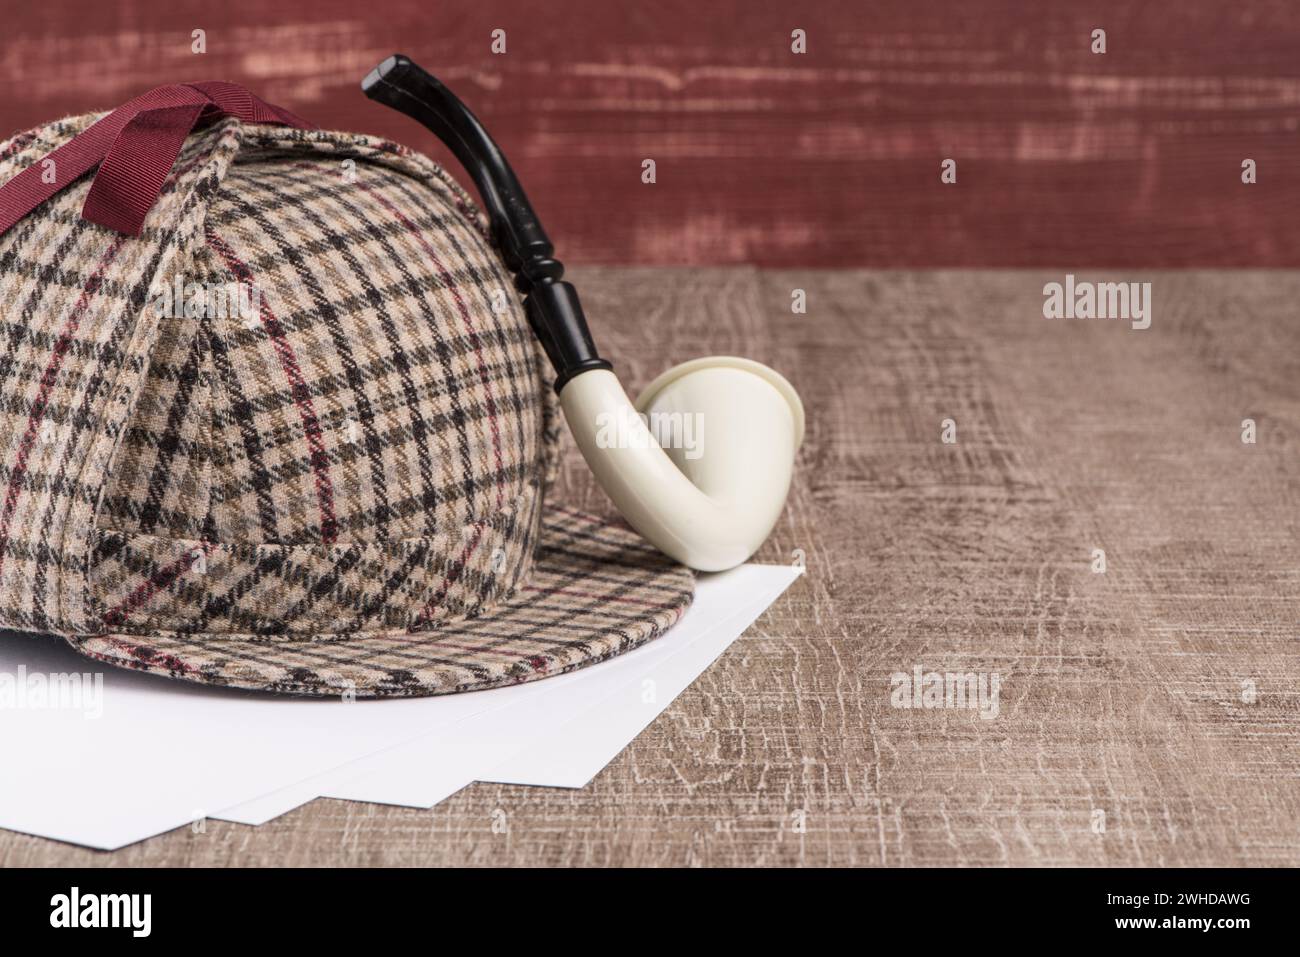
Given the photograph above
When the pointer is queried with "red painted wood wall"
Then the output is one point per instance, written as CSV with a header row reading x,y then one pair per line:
x,y
831,158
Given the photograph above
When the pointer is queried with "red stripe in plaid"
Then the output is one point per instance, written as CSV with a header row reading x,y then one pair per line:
x,y
144,658
159,580
17,145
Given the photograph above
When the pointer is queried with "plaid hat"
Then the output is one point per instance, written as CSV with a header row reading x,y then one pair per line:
x,y
294,436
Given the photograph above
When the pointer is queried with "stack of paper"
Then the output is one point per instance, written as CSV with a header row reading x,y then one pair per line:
x,y
114,757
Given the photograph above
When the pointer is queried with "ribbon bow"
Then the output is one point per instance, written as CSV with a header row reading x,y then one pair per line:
x,y
135,148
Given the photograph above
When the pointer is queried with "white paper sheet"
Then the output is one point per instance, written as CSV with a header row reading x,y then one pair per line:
x,y
163,753
426,770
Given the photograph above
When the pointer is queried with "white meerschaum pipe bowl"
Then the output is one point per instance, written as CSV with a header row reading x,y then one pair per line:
x,y
709,502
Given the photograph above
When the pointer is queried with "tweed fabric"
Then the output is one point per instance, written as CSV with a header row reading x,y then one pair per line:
x,y
325,473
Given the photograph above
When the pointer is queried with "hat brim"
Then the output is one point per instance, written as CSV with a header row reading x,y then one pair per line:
x,y
596,590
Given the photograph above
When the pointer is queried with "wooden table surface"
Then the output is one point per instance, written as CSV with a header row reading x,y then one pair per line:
x,y
1124,694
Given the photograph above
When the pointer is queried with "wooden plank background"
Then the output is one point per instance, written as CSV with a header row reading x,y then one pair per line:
x,y
1122,692
829,159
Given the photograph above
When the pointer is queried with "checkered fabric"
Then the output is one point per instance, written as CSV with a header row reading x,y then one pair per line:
x,y
295,436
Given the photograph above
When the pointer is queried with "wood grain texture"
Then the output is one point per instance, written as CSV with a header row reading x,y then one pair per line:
x,y
830,159
1122,692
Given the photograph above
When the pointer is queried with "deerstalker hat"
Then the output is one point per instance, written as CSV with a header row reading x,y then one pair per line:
x,y
284,426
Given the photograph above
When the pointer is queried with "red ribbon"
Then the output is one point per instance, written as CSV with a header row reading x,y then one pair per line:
x,y
135,148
